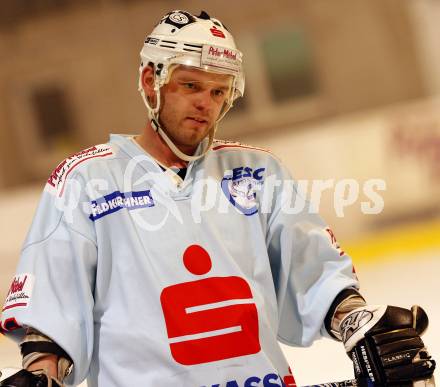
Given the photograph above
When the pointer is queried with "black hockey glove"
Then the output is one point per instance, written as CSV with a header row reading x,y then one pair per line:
x,y
385,346
24,378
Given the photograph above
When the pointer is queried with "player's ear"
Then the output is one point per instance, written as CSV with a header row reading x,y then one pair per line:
x,y
148,81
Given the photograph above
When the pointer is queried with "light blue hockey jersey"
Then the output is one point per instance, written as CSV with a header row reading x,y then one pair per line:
x,y
145,280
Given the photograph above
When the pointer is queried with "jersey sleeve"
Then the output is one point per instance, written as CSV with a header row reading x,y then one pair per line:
x,y
308,267
52,290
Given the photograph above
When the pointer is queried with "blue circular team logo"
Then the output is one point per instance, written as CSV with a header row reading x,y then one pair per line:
x,y
240,189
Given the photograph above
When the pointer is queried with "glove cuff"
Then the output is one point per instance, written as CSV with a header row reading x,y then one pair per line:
x,y
36,345
346,301
359,321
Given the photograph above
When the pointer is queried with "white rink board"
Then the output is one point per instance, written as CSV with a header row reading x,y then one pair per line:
x,y
411,281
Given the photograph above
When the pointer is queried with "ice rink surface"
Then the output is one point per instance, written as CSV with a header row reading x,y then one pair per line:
x,y
403,281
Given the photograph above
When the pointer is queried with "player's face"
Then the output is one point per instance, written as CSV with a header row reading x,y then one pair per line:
x,y
191,102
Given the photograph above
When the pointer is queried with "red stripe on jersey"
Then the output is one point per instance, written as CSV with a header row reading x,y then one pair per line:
x,y
73,167
14,305
240,146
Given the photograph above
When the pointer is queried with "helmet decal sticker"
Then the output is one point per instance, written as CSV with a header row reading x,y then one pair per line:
x,y
217,33
178,19
151,40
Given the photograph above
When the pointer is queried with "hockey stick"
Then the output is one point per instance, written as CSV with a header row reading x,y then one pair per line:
x,y
367,383
346,383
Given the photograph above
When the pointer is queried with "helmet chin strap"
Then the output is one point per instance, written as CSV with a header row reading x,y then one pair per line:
x,y
154,119
183,156
153,113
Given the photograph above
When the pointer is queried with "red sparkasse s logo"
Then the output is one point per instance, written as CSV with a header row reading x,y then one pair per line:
x,y
216,32
209,319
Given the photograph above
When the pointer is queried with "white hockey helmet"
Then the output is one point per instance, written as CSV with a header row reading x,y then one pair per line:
x,y
202,42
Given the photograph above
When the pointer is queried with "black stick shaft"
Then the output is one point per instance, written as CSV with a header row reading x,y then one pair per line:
x,y
367,383
345,383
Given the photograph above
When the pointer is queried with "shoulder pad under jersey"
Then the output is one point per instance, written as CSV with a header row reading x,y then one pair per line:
x,y
57,179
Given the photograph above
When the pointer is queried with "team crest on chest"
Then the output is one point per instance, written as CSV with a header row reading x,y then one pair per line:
x,y
240,187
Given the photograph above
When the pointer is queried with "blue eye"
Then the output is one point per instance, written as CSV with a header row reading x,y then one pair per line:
x,y
189,85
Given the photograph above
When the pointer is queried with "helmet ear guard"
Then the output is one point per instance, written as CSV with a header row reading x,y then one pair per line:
x,y
181,38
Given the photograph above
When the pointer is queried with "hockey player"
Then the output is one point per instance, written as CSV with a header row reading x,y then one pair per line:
x,y
171,259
